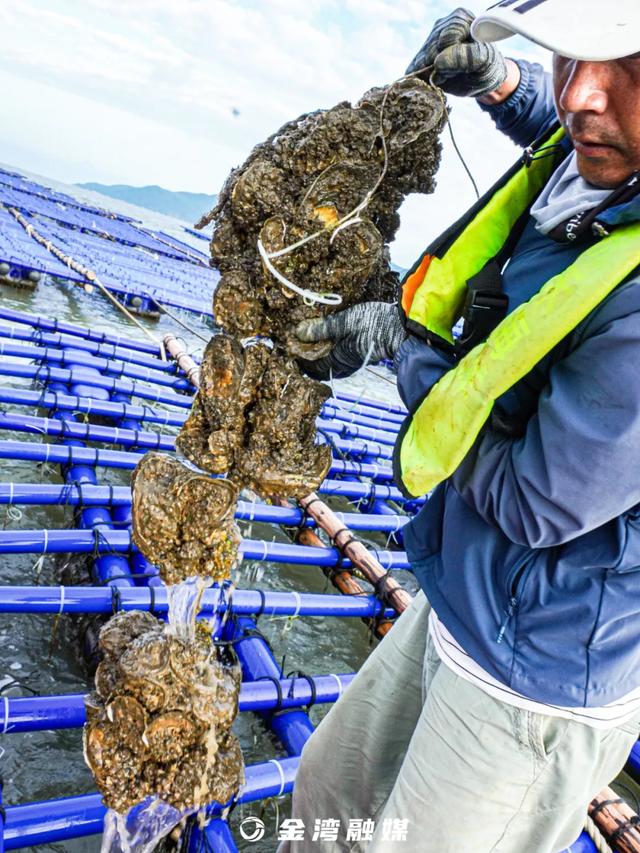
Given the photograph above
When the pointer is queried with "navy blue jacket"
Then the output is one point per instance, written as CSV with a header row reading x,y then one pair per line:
x,y
530,552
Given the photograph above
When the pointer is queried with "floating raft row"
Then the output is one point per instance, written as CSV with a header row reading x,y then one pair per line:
x,y
139,402
43,232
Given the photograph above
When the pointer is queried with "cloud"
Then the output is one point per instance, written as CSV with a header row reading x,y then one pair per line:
x,y
198,82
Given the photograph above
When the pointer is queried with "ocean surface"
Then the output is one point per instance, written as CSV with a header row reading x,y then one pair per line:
x,y
39,653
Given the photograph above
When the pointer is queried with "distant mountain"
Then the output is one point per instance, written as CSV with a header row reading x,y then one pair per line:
x,y
188,207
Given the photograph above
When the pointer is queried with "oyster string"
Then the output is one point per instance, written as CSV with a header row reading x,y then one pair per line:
x,y
311,297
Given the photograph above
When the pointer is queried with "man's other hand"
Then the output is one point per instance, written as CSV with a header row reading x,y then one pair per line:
x,y
364,333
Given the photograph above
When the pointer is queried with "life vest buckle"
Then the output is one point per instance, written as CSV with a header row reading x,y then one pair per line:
x,y
485,306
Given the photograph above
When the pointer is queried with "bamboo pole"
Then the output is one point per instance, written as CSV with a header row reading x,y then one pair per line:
x,y
182,358
90,275
616,817
343,581
326,519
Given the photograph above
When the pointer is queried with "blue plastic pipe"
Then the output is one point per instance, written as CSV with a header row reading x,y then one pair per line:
x,y
51,821
87,404
41,713
152,440
119,542
584,844
374,404
137,366
29,451
48,339
82,374
101,599
119,497
84,365
55,325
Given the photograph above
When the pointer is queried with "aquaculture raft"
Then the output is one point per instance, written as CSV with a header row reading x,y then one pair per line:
x,y
90,401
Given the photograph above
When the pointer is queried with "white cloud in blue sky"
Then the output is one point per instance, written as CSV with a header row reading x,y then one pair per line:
x,y
176,92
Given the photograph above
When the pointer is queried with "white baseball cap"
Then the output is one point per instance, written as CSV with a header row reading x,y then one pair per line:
x,y
593,30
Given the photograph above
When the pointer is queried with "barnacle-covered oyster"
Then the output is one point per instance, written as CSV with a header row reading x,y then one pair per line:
x,y
183,520
160,724
254,418
307,179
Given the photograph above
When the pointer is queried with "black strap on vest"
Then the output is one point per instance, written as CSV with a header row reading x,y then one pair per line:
x,y
484,308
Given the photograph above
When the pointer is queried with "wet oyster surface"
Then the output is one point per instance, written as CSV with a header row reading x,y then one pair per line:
x,y
254,419
159,721
183,521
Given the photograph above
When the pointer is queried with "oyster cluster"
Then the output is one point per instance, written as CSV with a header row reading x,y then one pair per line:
x,y
254,419
183,521
305,180
160,718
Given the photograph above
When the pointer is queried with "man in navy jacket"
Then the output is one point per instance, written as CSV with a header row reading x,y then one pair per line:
x,y
526,700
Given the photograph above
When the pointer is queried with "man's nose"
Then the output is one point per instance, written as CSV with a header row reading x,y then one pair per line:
x,y
586,87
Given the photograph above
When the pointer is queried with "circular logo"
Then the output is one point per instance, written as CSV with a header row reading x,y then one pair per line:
x,y
252,829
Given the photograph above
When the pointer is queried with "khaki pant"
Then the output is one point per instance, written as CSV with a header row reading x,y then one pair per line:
x,y
411,741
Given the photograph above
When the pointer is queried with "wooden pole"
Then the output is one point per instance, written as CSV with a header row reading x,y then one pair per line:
x,y
615,817
90,275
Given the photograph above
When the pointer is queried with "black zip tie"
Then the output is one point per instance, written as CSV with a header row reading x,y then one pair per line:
x,y
311,503
598,808
152,599
263,604
298,673
380,585
342,548
43,374
278,686
136,438
65,426
96,543
116,599
624,828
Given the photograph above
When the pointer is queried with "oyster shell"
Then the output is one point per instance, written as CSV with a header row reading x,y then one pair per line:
x,y
182,520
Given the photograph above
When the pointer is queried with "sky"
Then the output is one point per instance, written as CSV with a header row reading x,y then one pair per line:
x,y
177,92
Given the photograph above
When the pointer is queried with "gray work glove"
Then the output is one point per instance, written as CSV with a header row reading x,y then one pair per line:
x,y
461,65
372,328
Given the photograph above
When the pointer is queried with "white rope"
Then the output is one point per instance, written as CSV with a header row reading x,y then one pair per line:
x,y
338,682
296,594
46,541
592,830
5,724
351,218
310,297
61,608
281,774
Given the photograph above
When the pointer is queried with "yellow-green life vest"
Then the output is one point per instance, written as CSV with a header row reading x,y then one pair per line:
x,y
436,437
